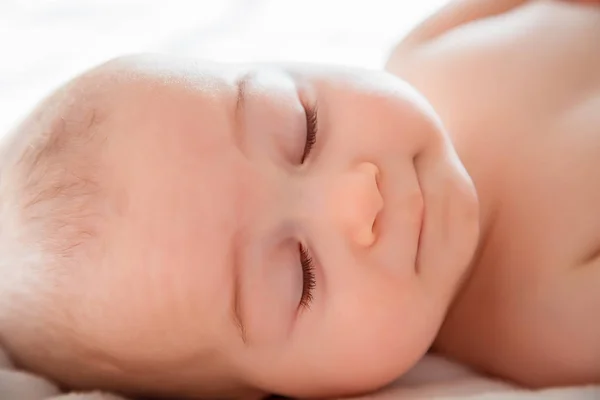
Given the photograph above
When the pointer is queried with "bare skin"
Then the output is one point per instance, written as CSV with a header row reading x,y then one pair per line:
x,y
383,203
517,84
216,200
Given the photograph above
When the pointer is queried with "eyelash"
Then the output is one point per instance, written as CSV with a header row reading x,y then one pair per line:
x,y
308,270
311,131
308,276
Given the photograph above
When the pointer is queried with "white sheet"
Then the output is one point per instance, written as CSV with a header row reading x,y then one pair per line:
x,y
44,42
437,378
432,378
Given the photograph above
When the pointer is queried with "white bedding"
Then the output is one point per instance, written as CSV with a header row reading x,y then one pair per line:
x,y
44,42
432,378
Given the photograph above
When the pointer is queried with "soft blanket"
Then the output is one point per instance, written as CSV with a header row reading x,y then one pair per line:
x,y
433,378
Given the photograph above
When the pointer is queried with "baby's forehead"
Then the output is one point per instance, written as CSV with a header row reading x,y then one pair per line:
x,y
133,144
171,153
155,71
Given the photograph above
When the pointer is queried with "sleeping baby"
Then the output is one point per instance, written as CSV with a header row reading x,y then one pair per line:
x,y
172,227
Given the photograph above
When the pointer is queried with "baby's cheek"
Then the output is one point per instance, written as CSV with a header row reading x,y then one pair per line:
x,y
386,326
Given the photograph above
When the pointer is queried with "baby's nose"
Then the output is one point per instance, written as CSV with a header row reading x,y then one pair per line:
x,y
357,203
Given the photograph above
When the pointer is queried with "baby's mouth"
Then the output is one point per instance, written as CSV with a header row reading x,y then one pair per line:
x,y
420,225
419,240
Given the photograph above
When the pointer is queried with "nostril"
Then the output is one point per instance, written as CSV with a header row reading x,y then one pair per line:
x,y
370,169
375,218
358,202
375,226
373,203
365,237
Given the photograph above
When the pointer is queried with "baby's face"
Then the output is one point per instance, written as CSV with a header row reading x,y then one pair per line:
x,y
299,230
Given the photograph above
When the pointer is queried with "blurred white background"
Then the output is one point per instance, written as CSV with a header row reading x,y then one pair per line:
x,y
45,42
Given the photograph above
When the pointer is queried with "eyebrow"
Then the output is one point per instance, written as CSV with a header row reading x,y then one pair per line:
x,y
241,84
240,100
241,90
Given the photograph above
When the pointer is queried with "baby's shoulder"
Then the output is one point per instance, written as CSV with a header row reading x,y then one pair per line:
x,y
532,26
506,62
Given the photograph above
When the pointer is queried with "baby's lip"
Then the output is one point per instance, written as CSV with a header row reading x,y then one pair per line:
x,y
402,219
420,225
420,236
